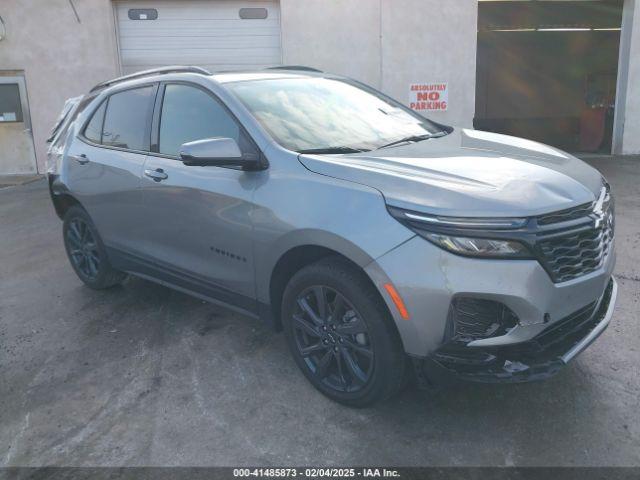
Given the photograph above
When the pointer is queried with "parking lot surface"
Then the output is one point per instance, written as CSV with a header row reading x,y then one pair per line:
x,y
143,375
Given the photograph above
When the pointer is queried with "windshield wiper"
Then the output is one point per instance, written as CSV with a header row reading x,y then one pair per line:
x,y
415,139
335,150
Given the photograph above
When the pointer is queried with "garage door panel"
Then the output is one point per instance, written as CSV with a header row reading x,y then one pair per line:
x,y
206,33
204,29
201,10
198,43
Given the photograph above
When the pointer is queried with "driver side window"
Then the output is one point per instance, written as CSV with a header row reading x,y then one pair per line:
x,y
188,114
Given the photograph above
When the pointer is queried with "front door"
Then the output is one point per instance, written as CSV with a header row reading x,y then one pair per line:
x,y
197,219
17,154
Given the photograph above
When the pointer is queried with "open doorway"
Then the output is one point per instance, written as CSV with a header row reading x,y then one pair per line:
x,y
547,70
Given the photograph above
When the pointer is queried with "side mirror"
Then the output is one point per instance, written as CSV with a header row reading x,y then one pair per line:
x,y
217,152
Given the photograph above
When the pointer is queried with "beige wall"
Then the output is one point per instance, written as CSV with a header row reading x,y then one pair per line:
x,y
60,57
432,41
341,36
389,44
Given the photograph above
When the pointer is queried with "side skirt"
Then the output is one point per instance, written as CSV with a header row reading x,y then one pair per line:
x,y
188,283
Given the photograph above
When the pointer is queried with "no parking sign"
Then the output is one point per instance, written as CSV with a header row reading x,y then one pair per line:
x,y
432,97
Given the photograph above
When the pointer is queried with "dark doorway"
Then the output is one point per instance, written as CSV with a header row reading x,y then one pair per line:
x,y
547,71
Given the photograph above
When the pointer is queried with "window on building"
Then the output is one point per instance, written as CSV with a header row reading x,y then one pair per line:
x,y
253,13
189,114
10,107
143,14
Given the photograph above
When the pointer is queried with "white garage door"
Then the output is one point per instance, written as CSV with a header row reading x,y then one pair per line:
x,y
214,34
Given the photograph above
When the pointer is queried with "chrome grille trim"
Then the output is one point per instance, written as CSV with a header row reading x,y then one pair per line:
x,y
570,254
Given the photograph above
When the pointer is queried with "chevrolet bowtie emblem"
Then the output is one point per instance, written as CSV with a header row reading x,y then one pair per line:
x,y
598,209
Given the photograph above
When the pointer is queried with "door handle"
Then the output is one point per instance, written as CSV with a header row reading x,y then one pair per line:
x,y
156,175
82,159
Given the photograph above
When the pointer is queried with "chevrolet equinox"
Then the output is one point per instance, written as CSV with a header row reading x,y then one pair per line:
x,y
384,244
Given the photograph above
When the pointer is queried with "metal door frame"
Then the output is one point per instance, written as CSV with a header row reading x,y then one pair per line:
x,y
19,79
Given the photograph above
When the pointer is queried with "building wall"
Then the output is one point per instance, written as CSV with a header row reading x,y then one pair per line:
x,y
60,56
389,44
385,43
424,42
343,37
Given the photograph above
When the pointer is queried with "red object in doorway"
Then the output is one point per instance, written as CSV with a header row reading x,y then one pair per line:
x,y
592,125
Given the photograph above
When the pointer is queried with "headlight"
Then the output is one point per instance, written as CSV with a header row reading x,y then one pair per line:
x,y
479,247
467,235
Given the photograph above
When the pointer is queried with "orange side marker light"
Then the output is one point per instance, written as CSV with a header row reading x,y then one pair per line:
x,y
397,300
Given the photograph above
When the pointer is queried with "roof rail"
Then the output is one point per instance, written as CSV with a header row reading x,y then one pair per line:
x,y
153,71
295,67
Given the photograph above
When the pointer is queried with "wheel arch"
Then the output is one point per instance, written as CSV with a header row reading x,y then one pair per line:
x,y
61,198
297,256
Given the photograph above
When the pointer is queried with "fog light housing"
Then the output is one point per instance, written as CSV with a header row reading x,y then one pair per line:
x,y
476,318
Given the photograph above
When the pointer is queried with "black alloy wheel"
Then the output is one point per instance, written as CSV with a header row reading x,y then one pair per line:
x,y
341,334
333,339
86,252
83,248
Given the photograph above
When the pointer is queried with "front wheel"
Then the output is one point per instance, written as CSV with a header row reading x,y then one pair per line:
x,y
341,334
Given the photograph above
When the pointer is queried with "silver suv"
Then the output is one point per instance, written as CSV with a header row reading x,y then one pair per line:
x,y
385,245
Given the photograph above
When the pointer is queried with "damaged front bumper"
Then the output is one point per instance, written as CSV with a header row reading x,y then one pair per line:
x,y
535,359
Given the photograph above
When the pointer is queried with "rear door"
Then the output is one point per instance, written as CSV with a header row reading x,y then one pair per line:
x,y
105,164
196,220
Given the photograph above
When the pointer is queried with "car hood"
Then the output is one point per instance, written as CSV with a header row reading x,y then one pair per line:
x,y
469,173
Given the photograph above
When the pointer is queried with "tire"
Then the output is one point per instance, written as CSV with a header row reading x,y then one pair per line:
x,y
349,349
86,252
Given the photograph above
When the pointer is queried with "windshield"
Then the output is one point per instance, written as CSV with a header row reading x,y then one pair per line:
x,y
322,114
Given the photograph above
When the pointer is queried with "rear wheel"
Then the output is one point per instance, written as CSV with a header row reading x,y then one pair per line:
x,y
341,335
86,251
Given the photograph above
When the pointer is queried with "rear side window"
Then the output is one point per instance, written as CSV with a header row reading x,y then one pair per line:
x,y
189,114
93,131
73,107
126,119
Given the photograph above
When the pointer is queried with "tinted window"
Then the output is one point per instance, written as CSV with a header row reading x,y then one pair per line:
x,y
189,114
93,131
125,124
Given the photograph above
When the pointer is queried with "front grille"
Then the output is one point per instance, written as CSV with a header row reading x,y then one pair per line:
x,y
574,213
577,254
576,241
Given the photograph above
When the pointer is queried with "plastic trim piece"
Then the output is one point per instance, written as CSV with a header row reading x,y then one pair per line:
x,y
595,333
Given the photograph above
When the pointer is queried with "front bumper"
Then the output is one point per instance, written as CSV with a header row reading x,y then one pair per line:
x,y
536,359
428,279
